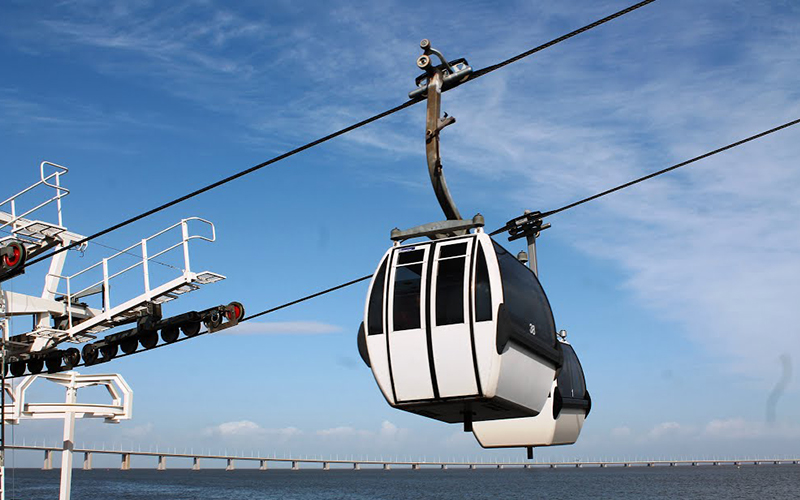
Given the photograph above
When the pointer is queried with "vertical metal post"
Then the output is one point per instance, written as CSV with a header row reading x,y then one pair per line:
x,y
106,291
185,233
145,269
69,436
532,263
58,198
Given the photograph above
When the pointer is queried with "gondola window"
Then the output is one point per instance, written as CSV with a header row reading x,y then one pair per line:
x,y
450,285
407,288
483,291
375,318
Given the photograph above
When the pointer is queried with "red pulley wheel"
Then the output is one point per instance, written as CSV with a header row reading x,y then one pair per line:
x,y
235,311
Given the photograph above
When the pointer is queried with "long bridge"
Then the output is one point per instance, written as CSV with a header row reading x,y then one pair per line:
x,y
356,464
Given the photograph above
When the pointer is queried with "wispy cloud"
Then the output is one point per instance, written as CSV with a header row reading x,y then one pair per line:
x,y
283,328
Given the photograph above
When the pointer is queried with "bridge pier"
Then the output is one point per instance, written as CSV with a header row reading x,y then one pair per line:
x,y
126,462
196,463
262,465
603,465
650,464
87,460
553,466
672,464
694,464
48,460
626,465
294,465
414,466
326,466
444,466
500,466
230,465
356,466
472,467
387,467
578,466
527,466
162,462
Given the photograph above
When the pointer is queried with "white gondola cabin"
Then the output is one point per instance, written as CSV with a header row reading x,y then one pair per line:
x,y
560,421
458,330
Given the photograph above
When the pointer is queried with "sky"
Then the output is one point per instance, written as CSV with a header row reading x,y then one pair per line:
x,y
680,294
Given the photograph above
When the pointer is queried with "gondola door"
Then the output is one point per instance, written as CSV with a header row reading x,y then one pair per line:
x,y
451,335
409,355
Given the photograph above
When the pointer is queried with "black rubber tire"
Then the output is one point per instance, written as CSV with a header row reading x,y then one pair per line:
x,y
72,357
35,366
128,345
148,340
109,351
170,334
18,368
191,328
53,363
90,354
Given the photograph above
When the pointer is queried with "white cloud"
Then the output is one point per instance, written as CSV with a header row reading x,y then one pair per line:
x,y
739,428
283,328
250,429
388,432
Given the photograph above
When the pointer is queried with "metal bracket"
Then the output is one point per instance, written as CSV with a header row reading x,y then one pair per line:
x,y
527,226
437,230
439,78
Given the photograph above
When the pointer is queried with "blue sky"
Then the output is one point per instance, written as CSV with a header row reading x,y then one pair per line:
x,y
680,295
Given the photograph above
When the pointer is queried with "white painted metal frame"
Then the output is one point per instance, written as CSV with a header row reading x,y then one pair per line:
x,y
120,408
84,322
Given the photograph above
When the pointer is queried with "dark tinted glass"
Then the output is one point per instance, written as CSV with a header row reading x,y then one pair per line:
x,y
571,383
409,257
375,312
524,298
483,292
450,291
407,284
453,250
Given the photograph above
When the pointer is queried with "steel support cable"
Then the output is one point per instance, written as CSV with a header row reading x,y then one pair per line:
x,y
495,67
343,131
248,318
655,174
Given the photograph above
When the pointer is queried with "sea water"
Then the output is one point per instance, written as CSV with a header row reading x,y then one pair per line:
x,y
706,481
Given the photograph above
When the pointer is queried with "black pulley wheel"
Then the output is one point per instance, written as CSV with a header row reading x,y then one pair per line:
x,y
148,339
72,357
128,345
109,351
90,354
53,363
35,366
213,320
170,334
18,368
191,328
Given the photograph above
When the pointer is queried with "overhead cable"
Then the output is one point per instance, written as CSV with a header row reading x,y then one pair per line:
x,y
655,174
343,131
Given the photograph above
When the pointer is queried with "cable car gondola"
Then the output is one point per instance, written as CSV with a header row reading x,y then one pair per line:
x,y
458,330
560,421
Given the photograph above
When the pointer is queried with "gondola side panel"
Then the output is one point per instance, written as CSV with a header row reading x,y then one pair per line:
x,y
485,321
569,425
451,336
409,356
376,326
518,432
